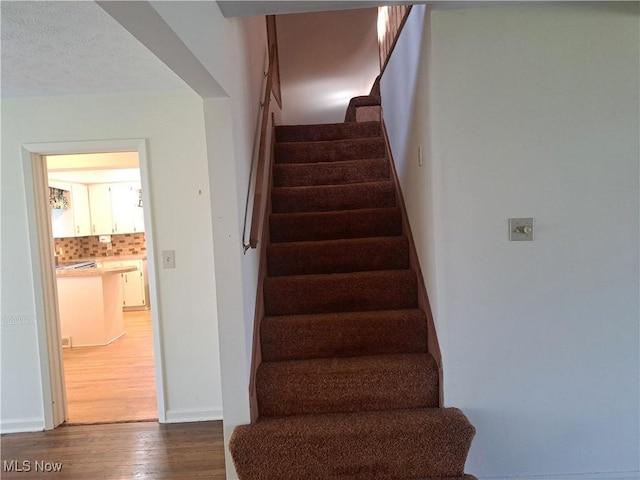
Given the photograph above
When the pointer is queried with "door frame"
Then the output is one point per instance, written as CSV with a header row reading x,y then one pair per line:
x,y
43,268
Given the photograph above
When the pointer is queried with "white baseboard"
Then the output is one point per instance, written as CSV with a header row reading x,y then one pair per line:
x,y
183,415
574,476
22,425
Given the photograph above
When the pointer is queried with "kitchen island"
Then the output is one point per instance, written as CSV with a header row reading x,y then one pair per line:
x,y
90,304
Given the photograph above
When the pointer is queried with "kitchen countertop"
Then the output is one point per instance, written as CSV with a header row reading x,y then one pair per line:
x,y
93,272
113,258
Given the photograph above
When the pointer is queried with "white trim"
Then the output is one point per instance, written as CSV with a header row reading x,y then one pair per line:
x,y
183,415
574,476
45,294
40,235
21,425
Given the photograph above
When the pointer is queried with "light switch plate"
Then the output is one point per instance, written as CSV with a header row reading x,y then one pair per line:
x,y
521,229
168,259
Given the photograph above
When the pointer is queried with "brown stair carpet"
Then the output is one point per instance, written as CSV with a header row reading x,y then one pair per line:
x,y
346,389
330,173
300,227
338,256
330,150
393,444
350,384
327,132
329,198
350,334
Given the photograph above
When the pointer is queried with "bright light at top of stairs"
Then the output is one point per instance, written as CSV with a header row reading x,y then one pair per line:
x,y
340,97
383,21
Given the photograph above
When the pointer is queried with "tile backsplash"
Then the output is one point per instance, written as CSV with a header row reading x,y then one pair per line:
x,y
74,248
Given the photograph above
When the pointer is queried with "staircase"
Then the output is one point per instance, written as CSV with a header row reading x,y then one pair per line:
x,y
346,388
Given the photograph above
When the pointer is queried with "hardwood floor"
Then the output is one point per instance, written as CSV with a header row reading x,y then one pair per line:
x,y
139,450
114,383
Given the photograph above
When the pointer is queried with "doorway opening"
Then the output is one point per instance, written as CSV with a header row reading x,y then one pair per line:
x,y
45,274
97,220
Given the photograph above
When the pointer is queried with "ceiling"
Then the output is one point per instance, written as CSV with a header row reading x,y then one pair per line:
x,y
242,8
74,47
94,167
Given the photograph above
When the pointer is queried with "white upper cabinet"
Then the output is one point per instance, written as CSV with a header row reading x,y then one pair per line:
x,y
81,213
115,208
100,207
74,220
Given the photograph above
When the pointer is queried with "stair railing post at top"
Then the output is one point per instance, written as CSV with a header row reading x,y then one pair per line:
x,y
259,193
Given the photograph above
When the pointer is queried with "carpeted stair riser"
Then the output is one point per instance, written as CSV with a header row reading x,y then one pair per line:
x,y
330,198
338,256
333,173
301,227
330,151
300,337
325,132
393,444
332,385
340,292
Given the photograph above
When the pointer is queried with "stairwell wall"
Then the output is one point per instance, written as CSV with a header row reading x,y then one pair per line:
x,y
326,58
234,51
528,110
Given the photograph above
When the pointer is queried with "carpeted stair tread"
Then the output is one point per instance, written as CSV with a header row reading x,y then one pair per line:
x,y
351,384
300,227
329,151
394,444
327,131
330,173
338,256
299,337
340,292
326,198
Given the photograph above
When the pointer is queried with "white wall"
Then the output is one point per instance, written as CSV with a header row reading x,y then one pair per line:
x,y
180,207
529,110
326,59
234,54
232,126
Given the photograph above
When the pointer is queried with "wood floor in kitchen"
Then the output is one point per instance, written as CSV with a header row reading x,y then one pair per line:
x,y
116,382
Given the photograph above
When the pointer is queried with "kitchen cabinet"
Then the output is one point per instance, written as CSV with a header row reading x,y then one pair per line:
x,y
75,220
81,214
100,207
134,283
133,294
114,208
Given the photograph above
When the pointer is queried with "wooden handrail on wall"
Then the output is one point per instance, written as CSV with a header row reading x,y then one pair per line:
x,y
258,210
